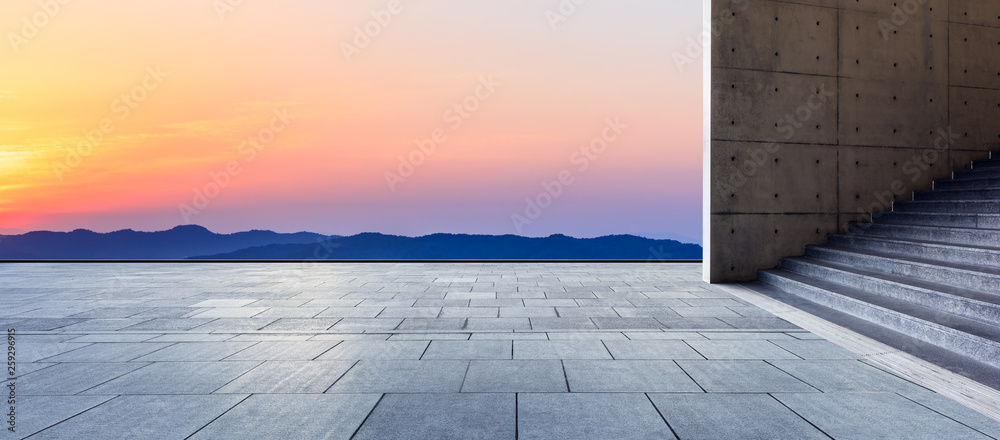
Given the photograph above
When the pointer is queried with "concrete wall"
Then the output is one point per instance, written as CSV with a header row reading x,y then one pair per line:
x,y
819,111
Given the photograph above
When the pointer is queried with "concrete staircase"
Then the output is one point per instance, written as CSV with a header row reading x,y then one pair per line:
x,y
924,278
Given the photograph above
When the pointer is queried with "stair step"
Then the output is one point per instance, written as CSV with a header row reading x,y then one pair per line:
x,y
963,236
967,303
974,369
979,221
976,173
948,206
959,194
989,182
981,280
988,164
924,250
968,337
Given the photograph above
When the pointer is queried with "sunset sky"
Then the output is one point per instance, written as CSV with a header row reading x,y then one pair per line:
x,y
186,97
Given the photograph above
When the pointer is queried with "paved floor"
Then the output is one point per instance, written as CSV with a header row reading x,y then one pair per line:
x,y
469,351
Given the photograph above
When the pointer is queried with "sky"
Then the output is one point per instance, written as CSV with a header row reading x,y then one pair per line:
x,y
410,117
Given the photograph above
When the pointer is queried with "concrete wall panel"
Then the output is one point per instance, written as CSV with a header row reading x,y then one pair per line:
x,y
917,51
899,13
786,38
891,113
975,56
980,12
751,240
975,116
749,105
871,178
796,177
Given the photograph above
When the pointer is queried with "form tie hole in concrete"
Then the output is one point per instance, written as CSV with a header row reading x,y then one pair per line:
x,y
776,160
775,231
817,196
776,54
894,64
857,196
775,196
817,160
817,126
857,162
894,164
817,231
733,158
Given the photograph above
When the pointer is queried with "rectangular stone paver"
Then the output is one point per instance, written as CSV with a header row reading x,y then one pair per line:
x,y
515,376
598,416
441,416
288,377
403,376
604,376
145,417
725,416
175,378
283,416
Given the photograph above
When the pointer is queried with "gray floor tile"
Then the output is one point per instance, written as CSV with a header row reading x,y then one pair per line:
x,y
632,376
195,351
562,324
844,376
376,350
742,377
433,324
441,416
35,413
493,324
515,376
143,417
874,415
108,352
283,351
468,350
291,377
564,349
403,376
817,349
175,378
301,324
732,416
740,349
330,416
651,349
68,379
580,416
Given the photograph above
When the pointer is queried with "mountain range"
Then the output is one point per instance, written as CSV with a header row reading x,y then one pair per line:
x,y
177,243
196,242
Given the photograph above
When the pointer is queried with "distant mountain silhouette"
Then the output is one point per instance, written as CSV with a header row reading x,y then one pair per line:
x,y
369,246
177,243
